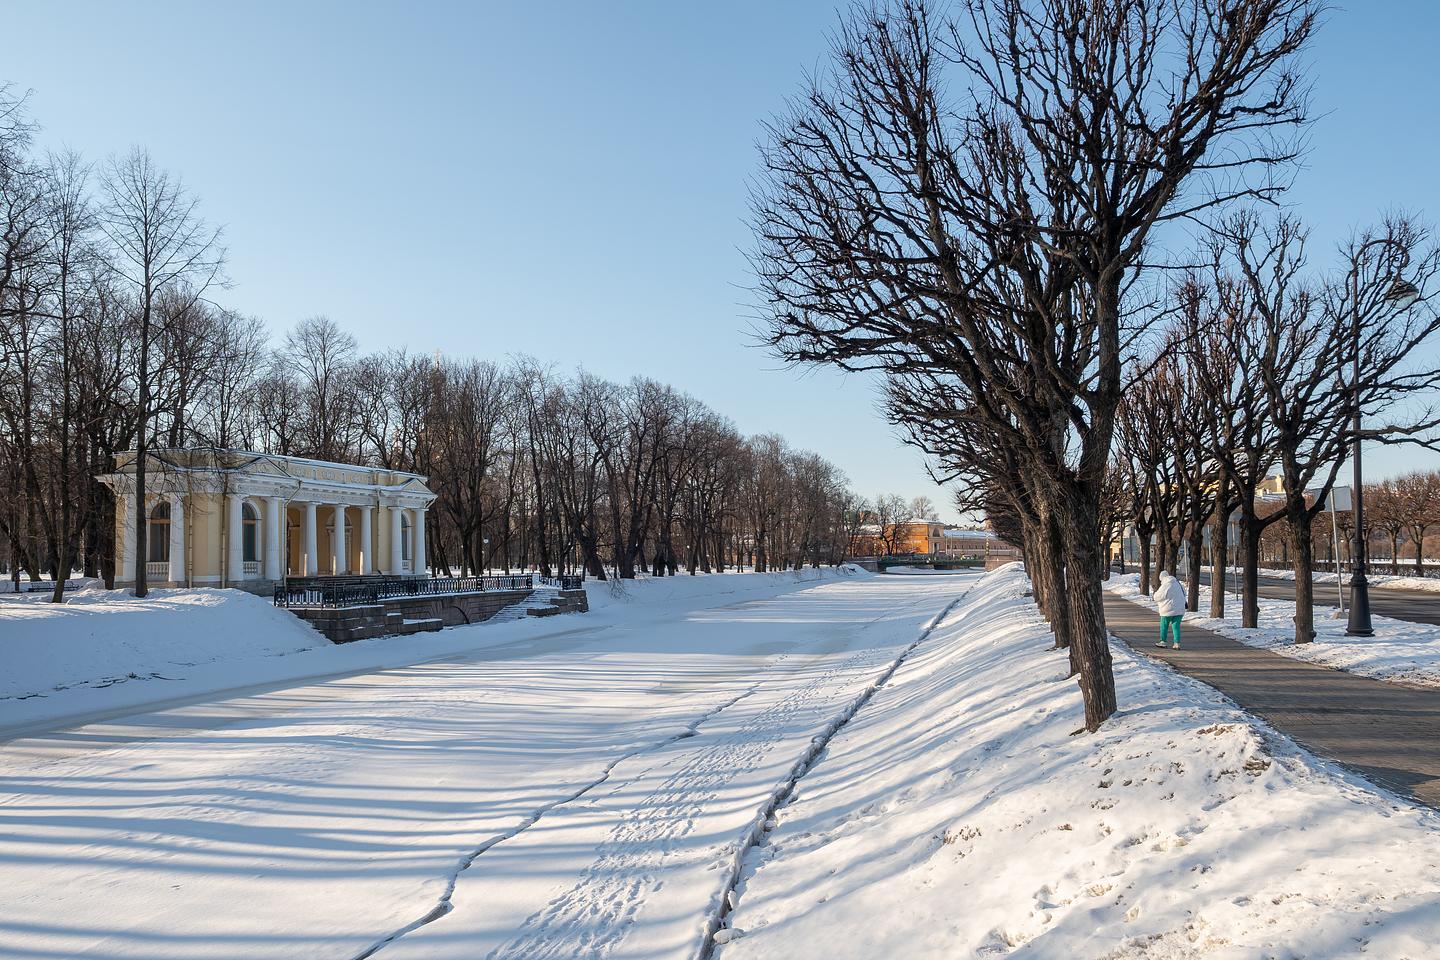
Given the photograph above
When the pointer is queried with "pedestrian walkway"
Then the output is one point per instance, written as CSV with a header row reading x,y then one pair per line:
x,y
1387,732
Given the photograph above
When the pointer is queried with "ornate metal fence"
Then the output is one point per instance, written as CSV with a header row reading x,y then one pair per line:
x,y
357,591
560,583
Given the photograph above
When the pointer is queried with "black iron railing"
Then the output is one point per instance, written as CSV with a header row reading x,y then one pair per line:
x,y
560,583
357,591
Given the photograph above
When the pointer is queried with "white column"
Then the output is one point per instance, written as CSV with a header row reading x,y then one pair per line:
x,y
397,565
125,538
177,539
312,562
367,542
235,534
419,566
337,542
274,524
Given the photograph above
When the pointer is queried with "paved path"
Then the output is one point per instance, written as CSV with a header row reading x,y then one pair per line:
x,y
1416,606
1388,732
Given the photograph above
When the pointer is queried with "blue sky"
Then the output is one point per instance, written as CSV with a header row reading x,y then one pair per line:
x,y
569,180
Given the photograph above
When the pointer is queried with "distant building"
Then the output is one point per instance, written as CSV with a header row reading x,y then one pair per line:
x,y
923,537
237,518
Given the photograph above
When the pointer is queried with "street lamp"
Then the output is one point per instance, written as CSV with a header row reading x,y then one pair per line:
x,y
1402,294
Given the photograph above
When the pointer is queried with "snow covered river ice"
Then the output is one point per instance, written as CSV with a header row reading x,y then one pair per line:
x,y
580,788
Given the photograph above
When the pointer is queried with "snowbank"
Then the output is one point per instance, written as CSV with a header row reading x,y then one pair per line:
x,y
1399,651
957,816
99,638
1390,581
104,651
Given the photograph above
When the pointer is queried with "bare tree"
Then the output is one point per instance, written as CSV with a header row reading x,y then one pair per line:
x,y
1323,348
994,239
160,245
1418,503
322,358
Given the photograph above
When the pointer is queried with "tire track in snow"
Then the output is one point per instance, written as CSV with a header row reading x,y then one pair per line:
x,y
764,823
444,905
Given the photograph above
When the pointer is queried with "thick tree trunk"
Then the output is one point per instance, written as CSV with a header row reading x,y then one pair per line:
x,y
1145,578
1050,580
1193,549
590,554
1084,598
1219,561
1249,567
1304,567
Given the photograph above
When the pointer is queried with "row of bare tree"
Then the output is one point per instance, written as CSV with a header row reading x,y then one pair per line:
x,y
969,202
1400,510
1264,368
112,341
103,276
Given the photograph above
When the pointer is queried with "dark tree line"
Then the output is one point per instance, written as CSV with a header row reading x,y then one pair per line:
x,y
1266,363
965,203
111,339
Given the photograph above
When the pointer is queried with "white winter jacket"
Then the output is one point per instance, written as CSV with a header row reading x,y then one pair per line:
x,y
1170,596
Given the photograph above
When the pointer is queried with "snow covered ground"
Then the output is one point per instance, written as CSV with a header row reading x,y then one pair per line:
x,y
1393,581
1400,650
852,767
956,816
103,650
574,787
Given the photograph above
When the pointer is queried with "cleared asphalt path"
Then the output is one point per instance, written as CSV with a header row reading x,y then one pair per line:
x,y
1387,732
1417,606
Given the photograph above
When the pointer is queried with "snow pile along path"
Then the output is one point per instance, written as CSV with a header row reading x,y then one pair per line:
x,y
956,816
1392,581
1400,650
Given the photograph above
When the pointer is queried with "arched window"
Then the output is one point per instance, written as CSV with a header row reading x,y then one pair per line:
x,y
250,536
157,537
407,539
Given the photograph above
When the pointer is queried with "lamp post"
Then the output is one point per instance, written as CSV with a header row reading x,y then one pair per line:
x,y
1401,295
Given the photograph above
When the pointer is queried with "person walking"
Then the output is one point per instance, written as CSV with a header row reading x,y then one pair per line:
x,y
1170,602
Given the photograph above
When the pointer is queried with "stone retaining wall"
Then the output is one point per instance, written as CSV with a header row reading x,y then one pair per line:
x,y
408,614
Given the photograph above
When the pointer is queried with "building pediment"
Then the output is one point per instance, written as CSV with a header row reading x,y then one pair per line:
x,y
253,474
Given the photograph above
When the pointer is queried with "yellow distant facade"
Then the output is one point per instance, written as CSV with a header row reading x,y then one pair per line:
x,y
930,538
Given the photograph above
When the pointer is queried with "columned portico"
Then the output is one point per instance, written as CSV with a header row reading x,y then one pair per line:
x,y
367,542
274,525
125,537
397,556
234,517
234,539
341,562
309,550
177,539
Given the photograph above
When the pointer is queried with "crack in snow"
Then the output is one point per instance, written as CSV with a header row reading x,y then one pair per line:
x,y
764,823
444,904
613,888
596,913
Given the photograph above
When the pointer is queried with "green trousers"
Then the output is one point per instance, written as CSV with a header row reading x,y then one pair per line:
x,y
1172,624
